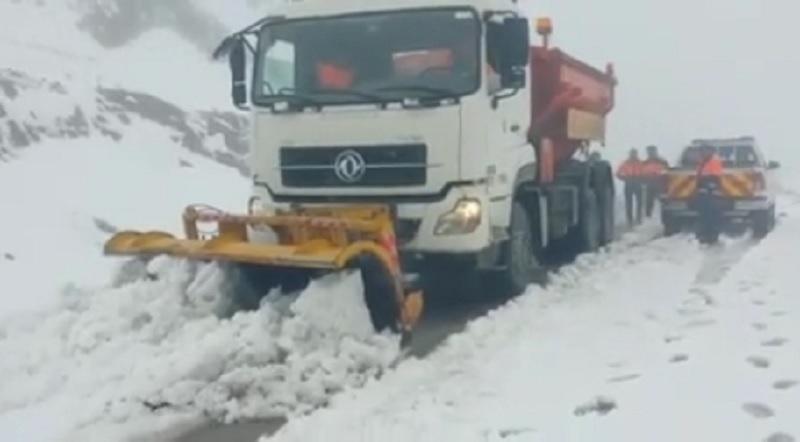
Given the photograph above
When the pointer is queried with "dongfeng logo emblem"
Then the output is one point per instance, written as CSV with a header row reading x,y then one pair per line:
x,y
350,166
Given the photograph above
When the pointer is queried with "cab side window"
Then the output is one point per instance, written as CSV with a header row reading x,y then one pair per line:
x,y
491,67
746,157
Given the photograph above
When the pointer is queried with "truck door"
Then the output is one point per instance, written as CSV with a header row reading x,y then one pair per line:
x,y
507,122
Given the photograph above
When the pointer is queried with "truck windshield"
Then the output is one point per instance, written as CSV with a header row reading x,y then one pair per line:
x,y
369,57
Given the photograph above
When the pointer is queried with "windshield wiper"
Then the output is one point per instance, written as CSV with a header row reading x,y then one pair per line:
x,y
435,92
309,98
290,94
352,92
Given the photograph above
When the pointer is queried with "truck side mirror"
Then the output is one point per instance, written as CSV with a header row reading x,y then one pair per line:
x,y
237,58
509,49
772,165
515,41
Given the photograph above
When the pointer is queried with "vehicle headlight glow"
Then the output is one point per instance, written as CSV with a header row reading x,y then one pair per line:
x,y
463,219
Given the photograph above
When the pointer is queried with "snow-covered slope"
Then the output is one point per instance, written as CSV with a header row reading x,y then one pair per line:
x,y
62,200
58,82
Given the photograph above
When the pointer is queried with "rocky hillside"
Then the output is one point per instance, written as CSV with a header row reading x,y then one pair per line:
x,y
72,83
23,122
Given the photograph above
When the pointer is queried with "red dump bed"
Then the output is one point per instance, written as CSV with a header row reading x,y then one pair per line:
x,y
570,101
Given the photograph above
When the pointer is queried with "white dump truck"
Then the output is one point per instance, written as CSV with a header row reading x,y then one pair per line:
x,y
475,139
447,113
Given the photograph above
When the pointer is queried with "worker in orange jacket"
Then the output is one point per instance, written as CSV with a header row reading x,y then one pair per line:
x,y
707,194
630,172
654,169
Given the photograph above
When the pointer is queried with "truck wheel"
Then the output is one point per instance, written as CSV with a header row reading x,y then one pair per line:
x,y
763,222
608,227
671,227
446,280
247,284
521,263
773,219
589,228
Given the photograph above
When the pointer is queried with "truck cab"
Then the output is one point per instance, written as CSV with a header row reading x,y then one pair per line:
x,y
427,109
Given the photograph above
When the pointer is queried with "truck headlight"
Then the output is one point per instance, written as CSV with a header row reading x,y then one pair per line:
x,y
464,218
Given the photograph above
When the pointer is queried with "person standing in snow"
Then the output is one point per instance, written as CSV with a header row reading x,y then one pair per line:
x,y
653,170
706,197
630,172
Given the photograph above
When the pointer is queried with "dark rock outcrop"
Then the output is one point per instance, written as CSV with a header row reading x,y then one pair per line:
x,y
66,117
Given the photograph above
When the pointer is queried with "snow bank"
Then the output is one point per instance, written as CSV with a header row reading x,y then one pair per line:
x,y
157,347
107,361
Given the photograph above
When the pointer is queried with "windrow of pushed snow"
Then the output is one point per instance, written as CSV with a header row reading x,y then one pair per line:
x,y
80,351
160,347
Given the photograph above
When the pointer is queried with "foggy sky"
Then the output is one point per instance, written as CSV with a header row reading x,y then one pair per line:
x,y
690,68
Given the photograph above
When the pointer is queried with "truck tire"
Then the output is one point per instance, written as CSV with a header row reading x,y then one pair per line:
x,y
521,262
763,222
608,219
247,284
671,227
590,223
446,280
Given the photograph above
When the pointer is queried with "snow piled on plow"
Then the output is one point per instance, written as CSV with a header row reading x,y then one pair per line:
x,y
150,348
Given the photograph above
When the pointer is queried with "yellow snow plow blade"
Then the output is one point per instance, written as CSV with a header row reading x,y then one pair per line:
x,y
316,238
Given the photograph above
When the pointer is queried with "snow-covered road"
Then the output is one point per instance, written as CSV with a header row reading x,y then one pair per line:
x,y
656,341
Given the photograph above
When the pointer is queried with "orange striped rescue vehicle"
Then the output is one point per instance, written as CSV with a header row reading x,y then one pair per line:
x,y
746,185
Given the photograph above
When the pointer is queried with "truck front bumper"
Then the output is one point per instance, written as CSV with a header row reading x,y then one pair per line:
x,y
457,223
731,208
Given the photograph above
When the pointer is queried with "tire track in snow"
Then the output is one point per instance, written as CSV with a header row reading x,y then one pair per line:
x,y
707,303
522,328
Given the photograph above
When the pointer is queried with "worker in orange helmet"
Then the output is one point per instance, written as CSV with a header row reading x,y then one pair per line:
x,y
630,172
706,199
654,169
